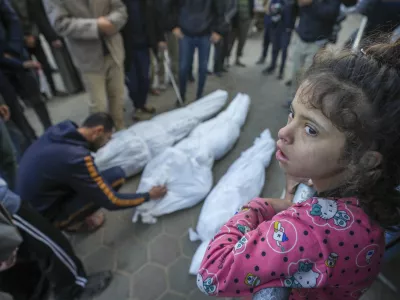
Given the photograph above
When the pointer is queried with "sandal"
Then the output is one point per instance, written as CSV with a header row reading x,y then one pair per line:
x,y
90,224
155,92
149,109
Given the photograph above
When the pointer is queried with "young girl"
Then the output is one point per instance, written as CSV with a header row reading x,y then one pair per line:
x,y
343,133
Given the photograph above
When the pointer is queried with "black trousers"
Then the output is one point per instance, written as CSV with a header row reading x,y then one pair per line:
x,y
8,92
47,248
27,87
41,56
75,208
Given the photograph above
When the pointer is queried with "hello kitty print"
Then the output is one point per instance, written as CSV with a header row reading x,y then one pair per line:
x,y
319,249
331,213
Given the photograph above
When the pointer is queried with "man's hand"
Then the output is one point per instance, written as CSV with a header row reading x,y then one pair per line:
x,y
304,2
279,204
4,112
162,46
178,33
31,64
215,37
158,192
30,41
57,44
105,26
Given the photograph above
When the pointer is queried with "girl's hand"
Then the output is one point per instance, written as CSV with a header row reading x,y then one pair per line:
x,y
292,183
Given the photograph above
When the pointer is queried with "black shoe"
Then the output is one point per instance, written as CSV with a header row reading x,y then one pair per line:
x,y
218,74
96,284
269,70
280,76
191,78
261,61
60,94
288,83
224,70
209,73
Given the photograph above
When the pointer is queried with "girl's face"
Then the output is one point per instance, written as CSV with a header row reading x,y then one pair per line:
x,y
310,146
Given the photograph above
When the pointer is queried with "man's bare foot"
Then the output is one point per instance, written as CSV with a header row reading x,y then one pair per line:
x,y
90,224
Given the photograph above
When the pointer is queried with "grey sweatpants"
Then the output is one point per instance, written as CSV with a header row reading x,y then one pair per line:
x,y
302,57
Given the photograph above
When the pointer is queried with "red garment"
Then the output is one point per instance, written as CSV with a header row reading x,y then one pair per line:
x,y
321,248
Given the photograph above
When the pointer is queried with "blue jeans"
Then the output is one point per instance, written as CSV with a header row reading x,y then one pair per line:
x,y
137,78
187,46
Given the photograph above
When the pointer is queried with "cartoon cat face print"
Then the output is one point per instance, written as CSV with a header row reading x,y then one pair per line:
x,y
328,211
208,285
305,277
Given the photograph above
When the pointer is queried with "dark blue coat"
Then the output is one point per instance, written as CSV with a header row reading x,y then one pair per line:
x,y
317,20
59,166
11,37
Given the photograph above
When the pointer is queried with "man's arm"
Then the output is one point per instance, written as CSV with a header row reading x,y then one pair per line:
x,y
118,15
21,8
69,26
159,24
86,180
15,42
171,13
219,16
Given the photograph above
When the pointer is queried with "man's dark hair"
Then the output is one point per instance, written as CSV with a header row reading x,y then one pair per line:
x,y
98,119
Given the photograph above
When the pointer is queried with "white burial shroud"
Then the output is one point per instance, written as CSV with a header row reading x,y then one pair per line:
x,y
242,182
186,169
133,148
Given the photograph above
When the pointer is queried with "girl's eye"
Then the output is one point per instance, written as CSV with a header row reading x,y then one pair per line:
x,y
291,115
310,131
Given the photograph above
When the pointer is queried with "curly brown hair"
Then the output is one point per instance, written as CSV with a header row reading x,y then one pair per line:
x,y
360,94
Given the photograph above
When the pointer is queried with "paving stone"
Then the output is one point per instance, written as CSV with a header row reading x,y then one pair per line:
x,y
102,259
147,232
118,227
188,247
164,250
86,244
149,283
178,223
197,295
118,289
131,255
195,211
179,278
172,296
